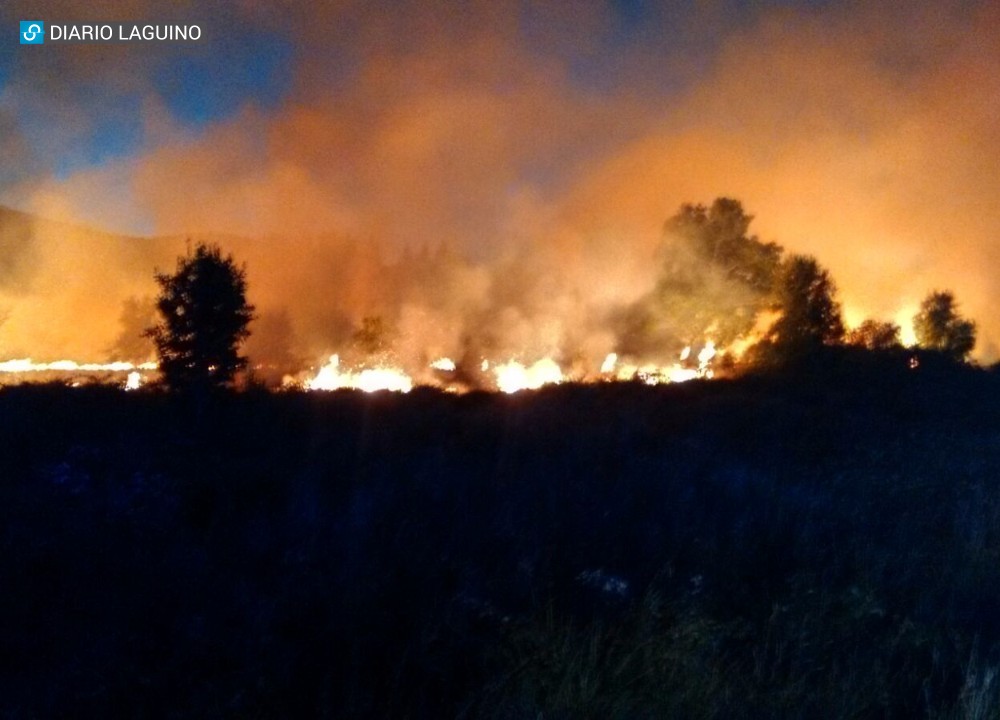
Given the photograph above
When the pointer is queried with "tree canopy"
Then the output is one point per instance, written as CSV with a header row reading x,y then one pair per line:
x,y
715,279
875,335
204,318
810,317
938,326
719,237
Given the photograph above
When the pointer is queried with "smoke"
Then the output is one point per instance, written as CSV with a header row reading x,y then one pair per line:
x,y
873,149
492,179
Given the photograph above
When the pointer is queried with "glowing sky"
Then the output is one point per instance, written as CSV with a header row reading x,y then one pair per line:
x,y
865,134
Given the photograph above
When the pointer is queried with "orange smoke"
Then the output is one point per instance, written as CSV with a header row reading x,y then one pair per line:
x,y
865,136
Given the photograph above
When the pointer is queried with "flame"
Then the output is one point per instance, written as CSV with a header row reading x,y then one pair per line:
x,y
331,377
657,374
25,365
904,319
513,376
705,356
510,376
445,364
133,381
653,374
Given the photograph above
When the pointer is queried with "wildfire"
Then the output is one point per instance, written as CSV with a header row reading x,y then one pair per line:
x,y
49,370
444,364
705,357
26,365
331,377
652,374
513,376
508,376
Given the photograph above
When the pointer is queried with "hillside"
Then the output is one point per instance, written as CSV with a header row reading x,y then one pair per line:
x,y
761,548
72,292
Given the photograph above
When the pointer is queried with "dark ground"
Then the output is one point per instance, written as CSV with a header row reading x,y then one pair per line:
x,y
811,546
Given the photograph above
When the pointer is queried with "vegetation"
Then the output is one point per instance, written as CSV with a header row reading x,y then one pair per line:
x,y
809,321
794,547
204,317
823,543
810,314
875,335
718,236
718,281
938,326
715,278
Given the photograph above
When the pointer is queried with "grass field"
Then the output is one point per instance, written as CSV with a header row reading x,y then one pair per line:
x,y
808,546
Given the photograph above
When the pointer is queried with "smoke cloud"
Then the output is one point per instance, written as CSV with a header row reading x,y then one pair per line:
x,y
495,179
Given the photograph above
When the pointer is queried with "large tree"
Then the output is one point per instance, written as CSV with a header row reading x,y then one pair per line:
x,y
810,314
715,279
204,317
938,326
719,238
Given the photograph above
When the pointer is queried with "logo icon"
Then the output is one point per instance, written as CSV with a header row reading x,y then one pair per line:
x,y
32,32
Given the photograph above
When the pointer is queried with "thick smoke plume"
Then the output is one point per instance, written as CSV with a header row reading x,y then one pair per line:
x,y
492,180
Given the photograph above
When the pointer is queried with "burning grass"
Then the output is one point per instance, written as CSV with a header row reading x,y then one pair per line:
x,y
377,374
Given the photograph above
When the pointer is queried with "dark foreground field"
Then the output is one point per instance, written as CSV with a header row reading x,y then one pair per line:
x,y
761,548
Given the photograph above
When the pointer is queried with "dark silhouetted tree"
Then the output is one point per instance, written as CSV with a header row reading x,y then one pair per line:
x,y
204,317
810,317
875,335
938,326
810,312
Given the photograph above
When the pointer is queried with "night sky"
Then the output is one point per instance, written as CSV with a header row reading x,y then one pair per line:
x,y
864,134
